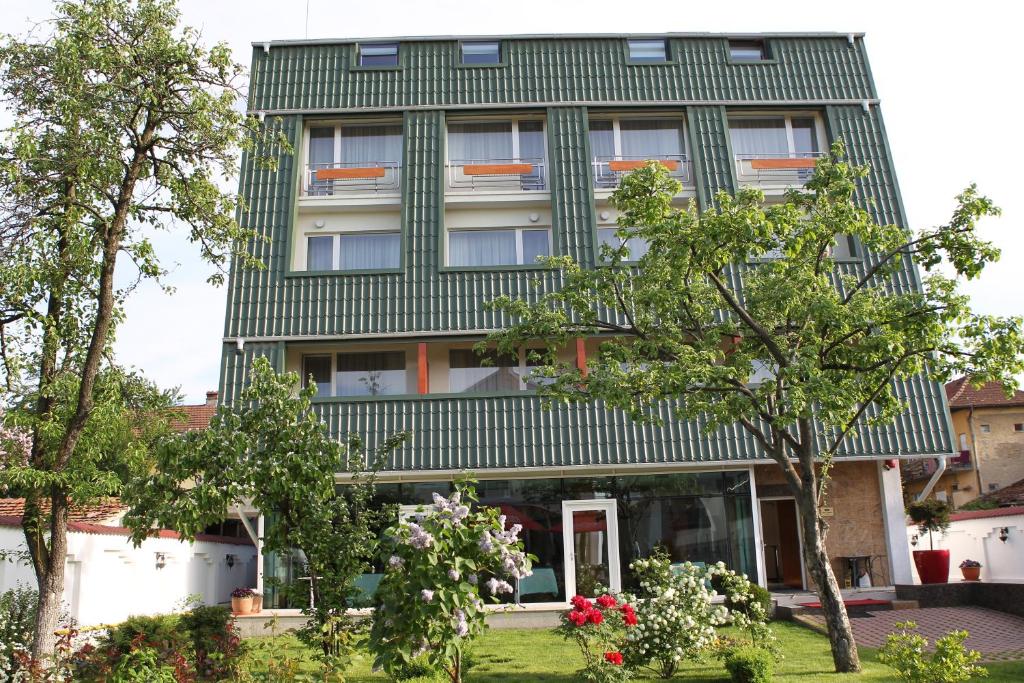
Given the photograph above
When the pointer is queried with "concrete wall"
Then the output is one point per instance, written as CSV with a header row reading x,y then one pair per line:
x,y
977,538
107,579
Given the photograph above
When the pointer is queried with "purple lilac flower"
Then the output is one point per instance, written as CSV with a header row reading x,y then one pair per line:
x,y
395,561
427,595
418,538
454,575
472,579
495,586
461,625
486,542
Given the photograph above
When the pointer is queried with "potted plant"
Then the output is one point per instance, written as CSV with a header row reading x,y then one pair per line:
x,y
931,515
257,602
241,601
971,569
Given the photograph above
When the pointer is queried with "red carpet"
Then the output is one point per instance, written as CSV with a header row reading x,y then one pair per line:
x,y
848,603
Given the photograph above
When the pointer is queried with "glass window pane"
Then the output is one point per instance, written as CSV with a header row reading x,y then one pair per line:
x,y
647,51
467,374
845,247
651,138
482,52
320,253
321,147
602,138
535,243
371,251
374,373
759,137
378,54
366,144
637,246
805,138
480,141
747,50
482,248
319,368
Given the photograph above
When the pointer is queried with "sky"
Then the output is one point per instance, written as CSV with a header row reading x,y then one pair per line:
x,y
948,76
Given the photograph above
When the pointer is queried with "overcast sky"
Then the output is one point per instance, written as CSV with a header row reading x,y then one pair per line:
x,y
948,75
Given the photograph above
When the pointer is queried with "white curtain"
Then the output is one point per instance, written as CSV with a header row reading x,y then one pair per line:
x,y
320,253
637,246
370,251
321,147
805,138
651,138
480,141
535,243
759,137
375,373
465,373
482,248
602,139
370,144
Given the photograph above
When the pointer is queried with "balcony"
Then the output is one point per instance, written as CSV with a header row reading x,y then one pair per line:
x,y
349,179
496,175
609,170
775,169
960,462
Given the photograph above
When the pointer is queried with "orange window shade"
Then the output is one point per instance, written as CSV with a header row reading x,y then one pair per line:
x,y
349,173
670,164
497,169
782,163
581,356
422,368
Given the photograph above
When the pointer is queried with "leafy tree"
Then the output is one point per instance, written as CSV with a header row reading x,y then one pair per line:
x,y
276,454
741,316
123,124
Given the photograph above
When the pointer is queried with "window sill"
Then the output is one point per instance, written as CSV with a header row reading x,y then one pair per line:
x,y
750,62
498,65
358,67
671,62
343,273
473,269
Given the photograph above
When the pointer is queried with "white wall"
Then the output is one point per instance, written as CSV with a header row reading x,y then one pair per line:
x,y
978,539
107,579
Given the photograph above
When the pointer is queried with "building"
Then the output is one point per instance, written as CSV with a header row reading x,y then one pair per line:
x,y
989,430
429,173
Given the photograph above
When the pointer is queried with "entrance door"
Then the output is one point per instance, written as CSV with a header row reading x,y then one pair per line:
x,y
780,534
590,531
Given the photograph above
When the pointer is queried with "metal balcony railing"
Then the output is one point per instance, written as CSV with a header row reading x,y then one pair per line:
x,y
359,177
609,170
496,175
776,169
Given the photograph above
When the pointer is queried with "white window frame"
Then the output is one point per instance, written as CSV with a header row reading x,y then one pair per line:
x,y
515,131
337,126
819,126
519,243
610,508
617,130
336,247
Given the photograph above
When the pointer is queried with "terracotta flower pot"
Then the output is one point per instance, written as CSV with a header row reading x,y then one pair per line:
x,y
241,605
971,573
257,604
932,565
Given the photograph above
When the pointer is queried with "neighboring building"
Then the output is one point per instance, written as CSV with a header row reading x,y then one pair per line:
x,y
107,578
992,537
989,430
428,175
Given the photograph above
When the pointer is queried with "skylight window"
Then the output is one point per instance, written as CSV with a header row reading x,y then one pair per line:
x,y
648,51
747,50
378,54
481,52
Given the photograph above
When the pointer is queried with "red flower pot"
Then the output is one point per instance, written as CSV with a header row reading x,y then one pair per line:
x,y
932,565
971,573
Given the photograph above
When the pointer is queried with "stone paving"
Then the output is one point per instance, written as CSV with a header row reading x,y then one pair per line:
x,y
996,635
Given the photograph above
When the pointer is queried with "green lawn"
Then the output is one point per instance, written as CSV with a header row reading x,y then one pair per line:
x,y
538,655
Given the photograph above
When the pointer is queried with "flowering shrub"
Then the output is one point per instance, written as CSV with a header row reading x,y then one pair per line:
x,y
17,620
904,652
598,627
431,599
242,593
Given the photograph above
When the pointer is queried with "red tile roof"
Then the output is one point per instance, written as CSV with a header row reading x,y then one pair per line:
x,y
106,530
962,394
982,514
102,512
191,417
1007,496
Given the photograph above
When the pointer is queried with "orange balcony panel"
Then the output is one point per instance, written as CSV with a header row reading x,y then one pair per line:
x,y
349,173
670,164
765,164
497,169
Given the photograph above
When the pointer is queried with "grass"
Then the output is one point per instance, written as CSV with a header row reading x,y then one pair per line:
x,y
538,656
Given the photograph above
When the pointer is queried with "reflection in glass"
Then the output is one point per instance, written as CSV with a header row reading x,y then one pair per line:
x,y
468,373
371,373
590,548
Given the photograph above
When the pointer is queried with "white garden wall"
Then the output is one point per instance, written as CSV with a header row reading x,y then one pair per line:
x,y
108,579
975,536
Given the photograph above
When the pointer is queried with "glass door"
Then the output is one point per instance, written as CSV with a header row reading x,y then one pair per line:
x,y
590,532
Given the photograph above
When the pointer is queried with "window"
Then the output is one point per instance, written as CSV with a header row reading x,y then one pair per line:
x,y
354,251
845,248
986,429
774,136
637,246
648,51
1018,427
378,54
747,50
363,157
317,369
501,155
636,139
481,52
468,372
503,247
375,373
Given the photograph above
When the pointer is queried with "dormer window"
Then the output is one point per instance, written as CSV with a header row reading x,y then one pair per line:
x,y
481,52
648,51
747,50
378,54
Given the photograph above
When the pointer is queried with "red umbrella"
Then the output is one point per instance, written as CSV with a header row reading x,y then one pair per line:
x,y
583,522
514,515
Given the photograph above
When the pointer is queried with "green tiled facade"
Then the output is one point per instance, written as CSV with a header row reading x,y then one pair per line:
x,y
565,78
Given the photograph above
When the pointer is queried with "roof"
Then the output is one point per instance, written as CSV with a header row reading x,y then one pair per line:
x,y
1006,496
192,417
103,512
962,394
984,514
109,530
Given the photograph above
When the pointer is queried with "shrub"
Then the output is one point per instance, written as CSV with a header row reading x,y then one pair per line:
x,y
17,622
930,514
142,664
598,628
904,650
161,631
750,665
216,647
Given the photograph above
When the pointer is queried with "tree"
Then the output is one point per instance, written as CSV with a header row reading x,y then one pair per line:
x,y
123,124
742,316
276,454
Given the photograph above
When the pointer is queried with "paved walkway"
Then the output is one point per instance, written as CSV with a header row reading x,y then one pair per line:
x,y
996,635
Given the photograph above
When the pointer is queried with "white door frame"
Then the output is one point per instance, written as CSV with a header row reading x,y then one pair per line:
x,y
610,508
799,535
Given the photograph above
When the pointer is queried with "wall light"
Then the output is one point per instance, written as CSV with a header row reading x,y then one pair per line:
x,y
161,560
229,559
1004,534
913,540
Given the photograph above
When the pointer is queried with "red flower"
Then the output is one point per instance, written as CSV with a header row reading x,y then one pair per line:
x,y
629,618
594,616
613,658
581,603
577,617
606,601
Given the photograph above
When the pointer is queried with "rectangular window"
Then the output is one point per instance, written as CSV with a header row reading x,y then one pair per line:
x,y
747,50
637,246
774,136
378,54
375,373
503,247
1019,427
845,248
480,141
318,370
371,144
986,428
320,253
356,158
370,251
648,51
651,138
498,156
481,52
468,374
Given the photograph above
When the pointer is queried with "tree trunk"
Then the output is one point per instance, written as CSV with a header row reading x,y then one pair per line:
x,y
840,633
49,572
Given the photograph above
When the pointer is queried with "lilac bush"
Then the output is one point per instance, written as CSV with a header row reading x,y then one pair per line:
x,y
451,559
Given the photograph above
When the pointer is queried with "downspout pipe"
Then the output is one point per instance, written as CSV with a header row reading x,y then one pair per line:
x,y
934,479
